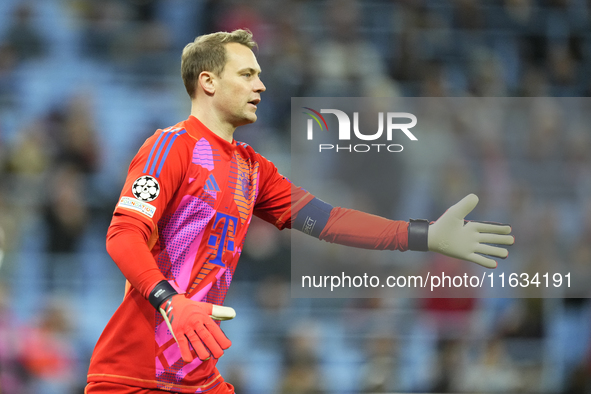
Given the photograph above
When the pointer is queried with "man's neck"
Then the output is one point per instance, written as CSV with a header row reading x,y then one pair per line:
x,y
222,130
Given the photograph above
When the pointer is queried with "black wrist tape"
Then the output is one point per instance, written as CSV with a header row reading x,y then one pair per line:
x,y
160,293
418,230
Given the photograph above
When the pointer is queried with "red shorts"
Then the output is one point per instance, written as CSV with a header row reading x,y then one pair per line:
x,y
116,388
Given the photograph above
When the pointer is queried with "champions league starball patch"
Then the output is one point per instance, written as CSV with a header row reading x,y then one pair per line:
x,y
145,188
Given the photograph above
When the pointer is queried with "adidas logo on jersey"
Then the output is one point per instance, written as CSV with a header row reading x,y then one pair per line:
x,y
211,185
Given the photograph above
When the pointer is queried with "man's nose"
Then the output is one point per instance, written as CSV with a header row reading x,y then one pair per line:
x,y
259,86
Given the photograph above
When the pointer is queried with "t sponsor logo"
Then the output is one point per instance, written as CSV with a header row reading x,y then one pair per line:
x,y
222,236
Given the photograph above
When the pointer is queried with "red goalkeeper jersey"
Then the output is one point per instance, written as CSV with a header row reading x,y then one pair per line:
x,y
197,193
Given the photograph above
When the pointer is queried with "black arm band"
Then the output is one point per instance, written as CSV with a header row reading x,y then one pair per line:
x,y
312,218
160,293
417,235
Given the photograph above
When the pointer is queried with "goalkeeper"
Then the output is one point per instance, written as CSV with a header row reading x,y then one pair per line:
x,y
179,226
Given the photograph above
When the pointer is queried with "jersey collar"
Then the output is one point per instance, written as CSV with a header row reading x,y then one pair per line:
x,y
195,128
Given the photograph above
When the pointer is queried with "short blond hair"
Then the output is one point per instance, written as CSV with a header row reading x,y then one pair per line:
x,y
208,53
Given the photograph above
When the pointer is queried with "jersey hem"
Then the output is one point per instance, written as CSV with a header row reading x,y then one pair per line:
x,y
153,384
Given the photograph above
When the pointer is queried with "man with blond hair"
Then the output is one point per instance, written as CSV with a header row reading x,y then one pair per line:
x,y
179,226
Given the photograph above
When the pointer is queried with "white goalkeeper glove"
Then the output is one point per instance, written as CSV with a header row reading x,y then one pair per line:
x,y
453,236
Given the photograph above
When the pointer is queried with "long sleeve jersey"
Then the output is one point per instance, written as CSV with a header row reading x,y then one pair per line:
x,y
185,208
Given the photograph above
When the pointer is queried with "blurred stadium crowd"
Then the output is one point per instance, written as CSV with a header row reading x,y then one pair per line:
x,y
84,82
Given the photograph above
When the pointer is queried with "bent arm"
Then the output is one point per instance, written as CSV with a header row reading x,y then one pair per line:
x,y
127,244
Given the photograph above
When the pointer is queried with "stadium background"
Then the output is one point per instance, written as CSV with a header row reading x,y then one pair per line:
x,y
83,83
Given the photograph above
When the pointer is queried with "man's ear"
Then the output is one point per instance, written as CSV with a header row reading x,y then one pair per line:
x,y
207,82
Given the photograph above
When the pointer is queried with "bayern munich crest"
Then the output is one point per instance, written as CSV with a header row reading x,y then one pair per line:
x,y
145,188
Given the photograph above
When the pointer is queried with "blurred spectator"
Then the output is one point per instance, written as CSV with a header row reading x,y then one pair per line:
x,y
149,54
579,267
379,370
468,15
486,77
272,300
106,24
236,374
524,318
144,10
579,380
544,137
48,354
23,36
434,83
519,12
534,82
271,294
65,134
491,370
496,176
66,218
564,72
345,63
579,164
235,14
72,130
10,229
406,60
28,156
66,213
286,63
14,377
8,85
301,364
268,252
449,365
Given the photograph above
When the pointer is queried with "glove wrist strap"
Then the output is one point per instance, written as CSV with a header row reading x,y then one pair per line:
x,y
418,230
160,293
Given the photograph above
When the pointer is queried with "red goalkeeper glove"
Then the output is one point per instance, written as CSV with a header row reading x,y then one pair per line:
x,y
191,324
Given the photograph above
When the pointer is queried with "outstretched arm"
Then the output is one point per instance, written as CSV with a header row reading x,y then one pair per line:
x,y
450,235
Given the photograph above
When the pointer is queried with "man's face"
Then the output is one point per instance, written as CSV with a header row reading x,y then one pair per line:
x,y
239,87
